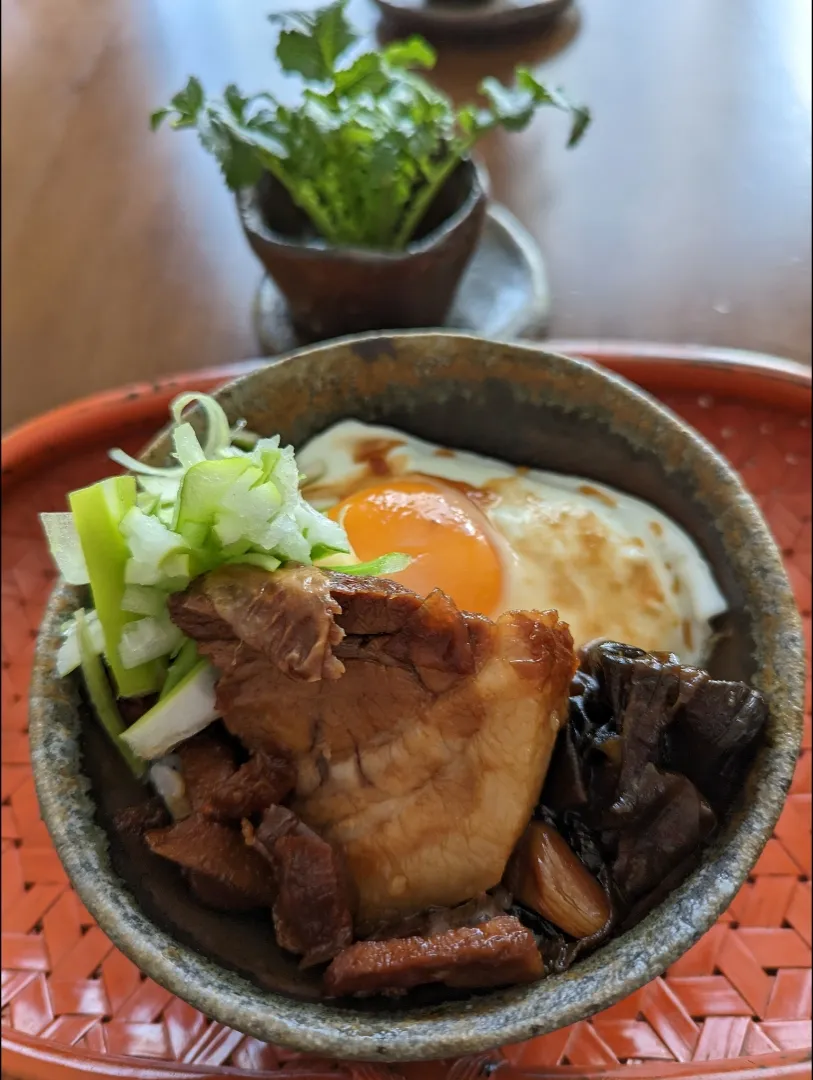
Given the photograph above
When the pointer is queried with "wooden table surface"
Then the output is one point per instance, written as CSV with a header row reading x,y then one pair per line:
x,y
684,216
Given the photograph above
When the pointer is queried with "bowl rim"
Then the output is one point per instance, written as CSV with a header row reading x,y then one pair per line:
x,y
614,971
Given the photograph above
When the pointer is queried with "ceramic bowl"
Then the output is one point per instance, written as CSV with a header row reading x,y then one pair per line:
x,y
521,404
334,290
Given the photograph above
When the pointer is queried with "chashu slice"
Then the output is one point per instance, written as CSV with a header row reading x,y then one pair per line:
x,y
420,734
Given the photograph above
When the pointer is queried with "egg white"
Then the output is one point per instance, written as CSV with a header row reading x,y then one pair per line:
x,y
648,579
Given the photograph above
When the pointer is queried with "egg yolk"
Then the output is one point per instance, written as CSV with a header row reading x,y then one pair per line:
x,y
443,531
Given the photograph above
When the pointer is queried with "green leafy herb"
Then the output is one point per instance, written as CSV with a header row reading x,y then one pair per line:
x,y
370,144
312,42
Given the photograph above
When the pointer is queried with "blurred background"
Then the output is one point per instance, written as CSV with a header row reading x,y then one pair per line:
x,y
683,217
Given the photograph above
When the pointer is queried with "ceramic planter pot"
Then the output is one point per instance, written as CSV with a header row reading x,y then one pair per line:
x,y
335,291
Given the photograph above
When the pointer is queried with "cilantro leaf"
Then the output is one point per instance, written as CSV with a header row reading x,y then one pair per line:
x,y
513,107
412,53
366,75
579,114
371,142
240,164
235,101
312,42
157,117
186,105
190,99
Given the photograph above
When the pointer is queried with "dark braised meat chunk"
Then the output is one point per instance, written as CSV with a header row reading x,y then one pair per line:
x,y
263,781
675,821
312,910
277,821
311,916
713,736
677,717
218,789
237,877
218,894
207,763
651,757
420,734
501,952
136,820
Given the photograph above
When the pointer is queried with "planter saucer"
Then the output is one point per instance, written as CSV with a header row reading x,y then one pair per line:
x,y
503,294
469,17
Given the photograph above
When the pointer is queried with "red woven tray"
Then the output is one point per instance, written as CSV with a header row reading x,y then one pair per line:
x,y
737,1005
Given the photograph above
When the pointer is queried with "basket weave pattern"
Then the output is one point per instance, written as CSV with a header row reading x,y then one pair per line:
x,y
744,989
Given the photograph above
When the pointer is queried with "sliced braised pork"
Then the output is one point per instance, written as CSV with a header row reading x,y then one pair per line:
x,y
217,788
501,952
222,869
420,734
312,909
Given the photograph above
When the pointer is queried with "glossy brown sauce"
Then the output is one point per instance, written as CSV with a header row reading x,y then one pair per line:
x,y
378,466
596,493
374,454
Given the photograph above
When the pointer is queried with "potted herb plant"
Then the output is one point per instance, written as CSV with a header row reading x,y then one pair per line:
x,y
362,201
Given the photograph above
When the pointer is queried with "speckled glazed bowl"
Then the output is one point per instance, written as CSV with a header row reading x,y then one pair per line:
x,y
527,406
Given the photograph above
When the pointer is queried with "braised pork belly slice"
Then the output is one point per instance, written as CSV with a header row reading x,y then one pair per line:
x,y
420,734
501,952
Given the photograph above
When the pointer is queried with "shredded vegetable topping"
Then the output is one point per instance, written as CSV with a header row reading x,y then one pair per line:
x,y
231,497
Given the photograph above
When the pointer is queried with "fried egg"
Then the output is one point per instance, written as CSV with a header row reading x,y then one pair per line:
x,y
497,537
